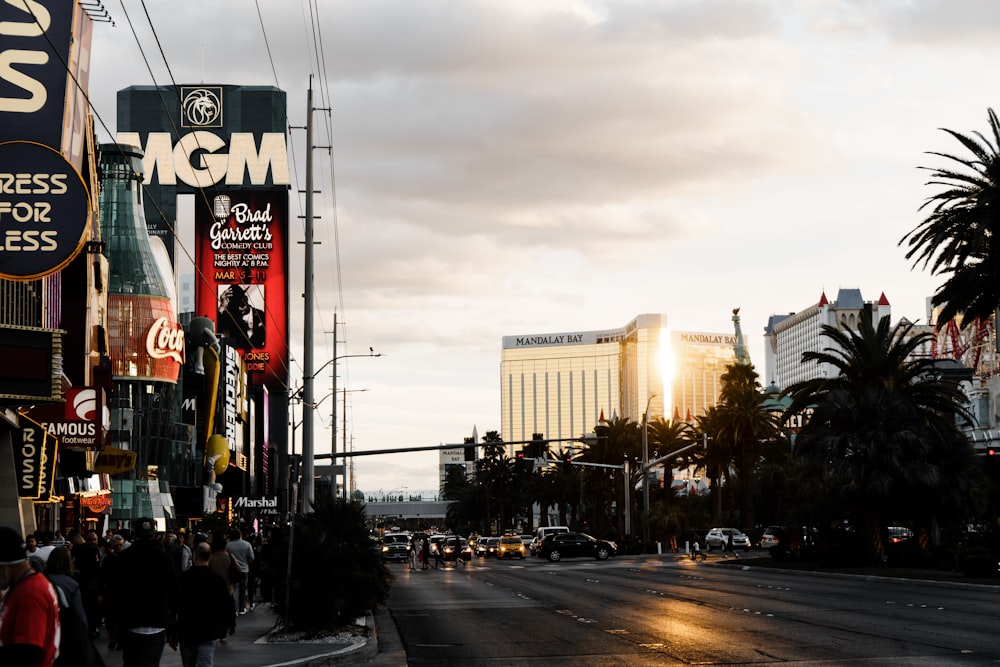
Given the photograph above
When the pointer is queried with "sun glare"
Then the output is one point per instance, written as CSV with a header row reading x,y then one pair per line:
x,y
667,369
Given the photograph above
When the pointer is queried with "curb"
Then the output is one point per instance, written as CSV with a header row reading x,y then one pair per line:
x,y
341,656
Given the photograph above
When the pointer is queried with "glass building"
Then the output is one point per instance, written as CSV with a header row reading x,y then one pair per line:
x,y
561,385
699,360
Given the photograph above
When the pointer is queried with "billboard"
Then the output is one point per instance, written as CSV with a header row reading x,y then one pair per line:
x,y
241,257
44,211
44,74
145,340
81,422
34,459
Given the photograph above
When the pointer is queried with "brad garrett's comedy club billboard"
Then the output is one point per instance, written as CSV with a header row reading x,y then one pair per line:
x,y
242,261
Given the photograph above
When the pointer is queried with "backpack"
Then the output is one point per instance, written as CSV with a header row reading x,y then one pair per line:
x,y
75,646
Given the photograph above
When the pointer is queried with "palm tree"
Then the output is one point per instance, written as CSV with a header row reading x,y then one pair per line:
x,y
960,238
717,458
744,422
883,431
618,438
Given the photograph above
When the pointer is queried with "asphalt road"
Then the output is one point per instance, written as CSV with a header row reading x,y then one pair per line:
x,y
640,611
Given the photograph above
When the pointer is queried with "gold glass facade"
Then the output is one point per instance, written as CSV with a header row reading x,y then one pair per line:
x,y
560,384
700,359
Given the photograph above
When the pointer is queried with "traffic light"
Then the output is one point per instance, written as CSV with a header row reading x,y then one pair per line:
x,y
567,461
537,448
470,449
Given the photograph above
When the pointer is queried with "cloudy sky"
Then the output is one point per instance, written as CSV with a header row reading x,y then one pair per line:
x,y
525,166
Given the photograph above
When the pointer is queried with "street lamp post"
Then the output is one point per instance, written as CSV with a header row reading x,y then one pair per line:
x,y
645,472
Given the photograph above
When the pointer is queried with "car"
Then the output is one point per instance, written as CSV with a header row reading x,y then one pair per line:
x,y
511,545
717,538
573,545
481,548
544,531
899,534
492,544
771,536
395,546
455,548
435,542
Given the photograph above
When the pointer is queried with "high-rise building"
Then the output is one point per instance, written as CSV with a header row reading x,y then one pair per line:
x,y
561,385
699,361
787,337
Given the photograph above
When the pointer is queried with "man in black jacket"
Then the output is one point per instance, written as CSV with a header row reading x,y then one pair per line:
x,y
143,598
205,612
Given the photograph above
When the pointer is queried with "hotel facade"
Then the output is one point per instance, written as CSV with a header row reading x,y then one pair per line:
x,y
561,385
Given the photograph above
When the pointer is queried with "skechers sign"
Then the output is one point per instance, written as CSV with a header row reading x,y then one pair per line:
x,y
44,211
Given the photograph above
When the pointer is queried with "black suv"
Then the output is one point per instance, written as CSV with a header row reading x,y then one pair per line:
x,y
568,545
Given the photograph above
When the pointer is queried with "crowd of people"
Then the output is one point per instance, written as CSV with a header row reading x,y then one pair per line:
x,y
143,588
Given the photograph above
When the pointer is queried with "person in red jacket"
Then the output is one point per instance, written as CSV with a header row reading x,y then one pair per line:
x,y
29,610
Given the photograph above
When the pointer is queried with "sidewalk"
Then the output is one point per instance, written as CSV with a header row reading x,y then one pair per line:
x,y
247,648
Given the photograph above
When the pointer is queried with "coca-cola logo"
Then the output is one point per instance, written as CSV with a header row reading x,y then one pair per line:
x,y
165,339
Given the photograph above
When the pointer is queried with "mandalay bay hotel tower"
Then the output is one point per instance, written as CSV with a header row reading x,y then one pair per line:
x,y
561,385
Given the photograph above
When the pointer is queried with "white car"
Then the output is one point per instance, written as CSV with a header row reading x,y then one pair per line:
x,y
771,537
717,538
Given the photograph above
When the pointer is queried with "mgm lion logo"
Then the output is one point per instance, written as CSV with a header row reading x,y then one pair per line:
x,y
201,107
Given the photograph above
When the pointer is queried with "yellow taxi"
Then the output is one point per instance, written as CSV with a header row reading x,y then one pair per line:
x,y
511,545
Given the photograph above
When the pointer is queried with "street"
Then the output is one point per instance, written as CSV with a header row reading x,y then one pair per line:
x,y
644,610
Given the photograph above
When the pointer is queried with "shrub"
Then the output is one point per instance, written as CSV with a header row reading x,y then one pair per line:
x,y
337,572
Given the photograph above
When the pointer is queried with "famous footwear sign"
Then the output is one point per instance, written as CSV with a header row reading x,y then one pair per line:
x,y
80,422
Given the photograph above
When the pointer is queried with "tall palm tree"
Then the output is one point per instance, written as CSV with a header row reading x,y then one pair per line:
x,y
744,422
880,431
960,238
717,458
618,438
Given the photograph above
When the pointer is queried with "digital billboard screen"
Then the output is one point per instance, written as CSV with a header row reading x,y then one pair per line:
x,y
241,281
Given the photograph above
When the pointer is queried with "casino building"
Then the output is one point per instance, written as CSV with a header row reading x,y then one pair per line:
x,y
561,385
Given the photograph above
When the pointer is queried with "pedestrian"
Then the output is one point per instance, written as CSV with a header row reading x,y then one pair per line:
x,y
438,556
425,553
223,564
109,567
729,547
29,611
86,557
47,538
59,570
205,611
253,578
143,597
242,551
186,555
696,551
173,549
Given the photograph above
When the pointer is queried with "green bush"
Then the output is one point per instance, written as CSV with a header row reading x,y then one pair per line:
x,y
337,573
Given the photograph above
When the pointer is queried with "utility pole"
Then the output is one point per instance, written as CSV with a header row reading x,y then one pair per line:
x,y
308,467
